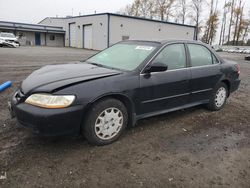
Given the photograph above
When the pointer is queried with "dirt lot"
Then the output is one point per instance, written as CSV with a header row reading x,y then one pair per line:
x,y
189,148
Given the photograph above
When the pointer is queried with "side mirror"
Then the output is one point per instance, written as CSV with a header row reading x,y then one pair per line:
x,y
156,67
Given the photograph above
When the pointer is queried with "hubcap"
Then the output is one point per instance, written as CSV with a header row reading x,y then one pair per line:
x,y
220,97
109,123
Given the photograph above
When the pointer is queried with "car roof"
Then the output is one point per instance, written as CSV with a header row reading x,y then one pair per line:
x,y
186,41
166,41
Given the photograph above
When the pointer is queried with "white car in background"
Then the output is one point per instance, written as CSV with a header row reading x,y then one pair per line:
x,y
8,40
246,51
231,50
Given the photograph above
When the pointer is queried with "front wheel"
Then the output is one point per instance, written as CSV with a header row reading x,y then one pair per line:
x,y
218,98
105,122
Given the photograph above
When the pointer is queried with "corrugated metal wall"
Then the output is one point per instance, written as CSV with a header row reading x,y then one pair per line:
x,y
135,29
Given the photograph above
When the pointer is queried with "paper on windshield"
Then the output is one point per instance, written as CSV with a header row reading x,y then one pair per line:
x,y
147,48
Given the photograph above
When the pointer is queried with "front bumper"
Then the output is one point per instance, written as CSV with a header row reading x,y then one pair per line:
x,y
47,122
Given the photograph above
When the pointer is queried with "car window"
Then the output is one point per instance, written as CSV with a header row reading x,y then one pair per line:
x,y
173,56
199,55
123,56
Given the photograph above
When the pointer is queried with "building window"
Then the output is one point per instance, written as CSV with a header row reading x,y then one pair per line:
x,y
52,37
125,37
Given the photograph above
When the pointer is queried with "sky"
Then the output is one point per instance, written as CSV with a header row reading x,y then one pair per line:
x,y
33,11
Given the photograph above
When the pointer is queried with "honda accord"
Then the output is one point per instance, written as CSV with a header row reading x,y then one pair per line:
x,y
129,81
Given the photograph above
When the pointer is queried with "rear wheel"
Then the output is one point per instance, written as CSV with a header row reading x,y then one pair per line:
x,y
218,98
105,122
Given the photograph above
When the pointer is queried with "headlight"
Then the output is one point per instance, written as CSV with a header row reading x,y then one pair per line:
x,y
50,101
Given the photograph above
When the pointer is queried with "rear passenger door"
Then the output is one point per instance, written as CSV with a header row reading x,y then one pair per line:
x,y
205,72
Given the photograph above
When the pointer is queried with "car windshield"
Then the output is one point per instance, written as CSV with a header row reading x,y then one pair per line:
x,y
123,56
9,35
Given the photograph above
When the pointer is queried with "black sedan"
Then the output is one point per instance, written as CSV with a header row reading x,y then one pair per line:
x,y
118,86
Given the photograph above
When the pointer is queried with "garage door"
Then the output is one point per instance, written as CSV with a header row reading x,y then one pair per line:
x,y
72,35
88,37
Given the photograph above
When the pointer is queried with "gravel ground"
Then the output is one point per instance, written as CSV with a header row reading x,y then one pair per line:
x,y
188,148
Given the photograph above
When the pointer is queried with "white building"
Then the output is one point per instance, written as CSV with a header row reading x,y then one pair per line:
x,y
98,31
34,34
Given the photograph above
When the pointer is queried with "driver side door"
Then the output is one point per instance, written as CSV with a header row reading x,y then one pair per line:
x,y
161,91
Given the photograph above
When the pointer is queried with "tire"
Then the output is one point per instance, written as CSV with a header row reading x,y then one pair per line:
x,y
105,122
219,97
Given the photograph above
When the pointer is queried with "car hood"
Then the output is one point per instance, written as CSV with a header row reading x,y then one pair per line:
x,y
52,77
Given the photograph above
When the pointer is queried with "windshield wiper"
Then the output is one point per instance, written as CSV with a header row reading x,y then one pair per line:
x,y
104,66
96,64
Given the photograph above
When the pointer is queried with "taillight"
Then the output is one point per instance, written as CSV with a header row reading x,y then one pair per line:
x,y
238,68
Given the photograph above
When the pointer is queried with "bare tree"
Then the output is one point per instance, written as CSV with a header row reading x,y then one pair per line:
x,y
241,25
246,28
146,8
196,7
183,10
211,28
128,10
163,8
237,14
231,21
224,22
209,23
132,9
140,8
